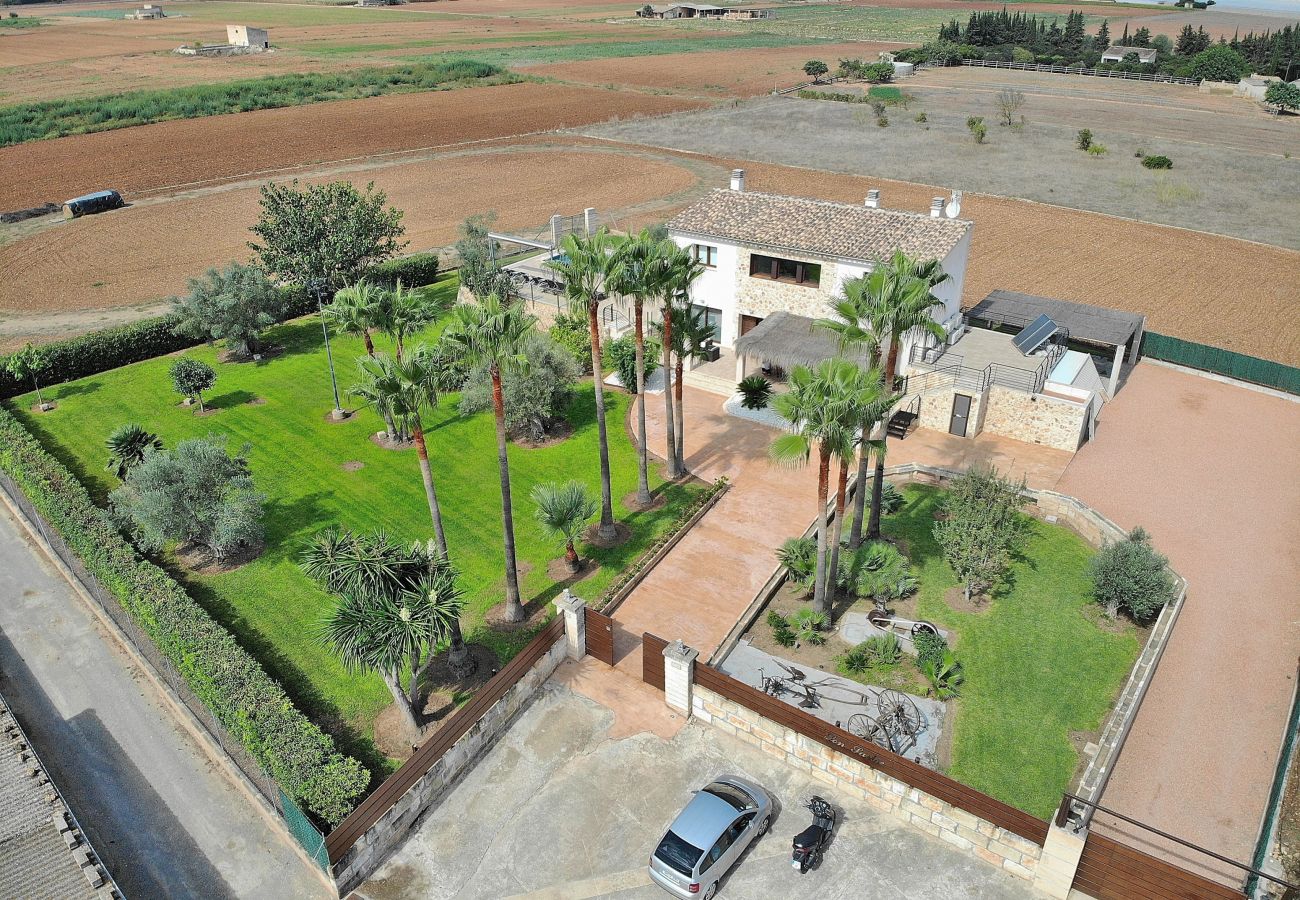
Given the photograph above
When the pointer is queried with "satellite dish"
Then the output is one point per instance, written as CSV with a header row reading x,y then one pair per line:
x,y
954,205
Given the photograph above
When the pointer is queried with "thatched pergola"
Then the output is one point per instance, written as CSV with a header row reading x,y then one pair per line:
x,y
784,340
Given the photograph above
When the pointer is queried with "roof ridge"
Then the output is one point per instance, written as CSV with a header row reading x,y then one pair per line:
x,y
840,204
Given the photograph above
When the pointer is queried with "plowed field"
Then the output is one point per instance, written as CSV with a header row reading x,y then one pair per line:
x,y
220,148
147,252
744,73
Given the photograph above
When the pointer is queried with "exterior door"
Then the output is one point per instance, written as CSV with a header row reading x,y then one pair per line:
x,y
747,324
960,413
600,636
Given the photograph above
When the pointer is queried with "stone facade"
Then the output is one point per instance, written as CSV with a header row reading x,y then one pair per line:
x,y
954,826
761,296
1035,418
936,409
370,851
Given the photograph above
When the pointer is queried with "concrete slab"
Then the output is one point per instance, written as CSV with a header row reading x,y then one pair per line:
x,y
560,809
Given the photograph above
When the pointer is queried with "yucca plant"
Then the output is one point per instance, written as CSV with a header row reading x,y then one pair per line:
x,y
127,447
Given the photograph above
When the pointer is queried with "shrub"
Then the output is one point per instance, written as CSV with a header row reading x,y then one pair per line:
x,y
1218,63
755,392
1097,150
944,676
891,498
879,650
808,625
112,348
882,121
238,693
877,106
620,355
785,637
570,332
1021,55
930,647
416,270
1008,104
921,117
799,557
879,73
1157,162
977,128
1132,576
877,570
1084,140
776,620
1283,96
535,399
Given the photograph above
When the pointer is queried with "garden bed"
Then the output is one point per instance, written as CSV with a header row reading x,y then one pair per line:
x,y
1040,672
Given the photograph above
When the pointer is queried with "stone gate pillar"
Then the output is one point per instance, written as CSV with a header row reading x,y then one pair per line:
x,y
574,610
679,676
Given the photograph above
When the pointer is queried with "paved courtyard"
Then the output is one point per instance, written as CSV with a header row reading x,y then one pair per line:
x,y
567,806
1211,471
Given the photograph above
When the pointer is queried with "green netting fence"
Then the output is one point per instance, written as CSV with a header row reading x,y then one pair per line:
x,y
306,833
1223,362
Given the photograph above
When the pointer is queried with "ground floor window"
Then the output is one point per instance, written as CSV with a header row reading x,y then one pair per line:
x,y
712,318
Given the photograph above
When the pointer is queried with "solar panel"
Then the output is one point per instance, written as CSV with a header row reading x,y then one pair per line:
x,y
1034,335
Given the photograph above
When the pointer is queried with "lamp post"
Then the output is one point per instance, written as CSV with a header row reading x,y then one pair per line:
x,y
339,413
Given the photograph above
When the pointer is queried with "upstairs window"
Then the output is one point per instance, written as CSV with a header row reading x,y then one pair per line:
x,y
774,268
705,254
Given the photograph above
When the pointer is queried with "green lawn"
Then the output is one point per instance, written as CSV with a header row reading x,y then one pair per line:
x,y
297,460
1036,667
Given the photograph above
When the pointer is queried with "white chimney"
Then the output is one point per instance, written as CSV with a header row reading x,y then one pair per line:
x,y
737,179
873,199
936,208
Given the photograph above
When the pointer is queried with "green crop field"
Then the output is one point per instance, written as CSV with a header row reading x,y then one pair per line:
x,y
537,55
23,22
297,459
1037,666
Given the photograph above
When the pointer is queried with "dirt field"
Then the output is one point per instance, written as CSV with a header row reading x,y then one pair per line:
x,y
732,73
147,252
194,152
1231,178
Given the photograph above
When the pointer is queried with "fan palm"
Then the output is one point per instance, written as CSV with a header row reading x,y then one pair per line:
x,y
491,333
377,387
562,511
584,265
368,565
820,407
127,447
408,312
677,270
688,333
357,310
390,634
632,273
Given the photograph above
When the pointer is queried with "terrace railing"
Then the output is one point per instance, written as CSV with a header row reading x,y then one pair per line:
x,y
1079,70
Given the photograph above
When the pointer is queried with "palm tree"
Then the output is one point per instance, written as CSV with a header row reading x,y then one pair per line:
x,y
358,310
907,305
689,331
409,312
562,511
819,405
869,404
127,447
583,266
406,389
677,270
377,387
491,333
388,633
366,565
631,273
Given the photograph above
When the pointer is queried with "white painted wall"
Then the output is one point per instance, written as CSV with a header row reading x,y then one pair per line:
x,y
716,287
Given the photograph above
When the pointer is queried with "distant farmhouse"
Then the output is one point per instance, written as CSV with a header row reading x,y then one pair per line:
x,y
1145,55
703,11
148,11
240,39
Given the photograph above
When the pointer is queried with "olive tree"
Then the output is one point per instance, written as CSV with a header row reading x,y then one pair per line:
x,y
195,495
326,235
1132,576
191,377
235,304
815,69
981,528
535,395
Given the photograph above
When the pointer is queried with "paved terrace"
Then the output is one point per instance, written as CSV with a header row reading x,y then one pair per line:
x,y
704,585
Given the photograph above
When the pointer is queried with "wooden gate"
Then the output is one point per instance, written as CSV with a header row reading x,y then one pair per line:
x,y
600,636
1108,870
652,660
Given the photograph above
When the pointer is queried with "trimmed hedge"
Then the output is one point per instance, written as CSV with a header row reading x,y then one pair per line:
x,y
99,351
251,705
416,270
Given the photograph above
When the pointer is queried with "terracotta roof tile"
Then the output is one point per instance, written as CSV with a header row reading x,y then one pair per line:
x,y
818,228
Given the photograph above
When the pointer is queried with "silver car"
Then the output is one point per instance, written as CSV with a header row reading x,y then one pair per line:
x,y
709,835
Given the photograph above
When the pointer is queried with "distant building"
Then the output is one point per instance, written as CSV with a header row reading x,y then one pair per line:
x,y
1145,55
247,36
148,11
703,11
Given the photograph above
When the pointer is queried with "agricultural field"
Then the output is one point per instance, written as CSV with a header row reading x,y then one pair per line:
x,y
1239,181
316,473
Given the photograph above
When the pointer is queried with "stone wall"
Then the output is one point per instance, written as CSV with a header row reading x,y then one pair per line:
x,y
954,826
373,847
936,409
1034,418
761,296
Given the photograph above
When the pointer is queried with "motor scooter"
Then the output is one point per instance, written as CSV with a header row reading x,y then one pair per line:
x,y
809,843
